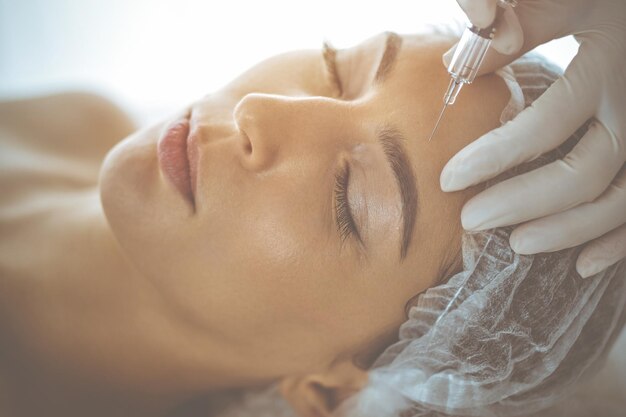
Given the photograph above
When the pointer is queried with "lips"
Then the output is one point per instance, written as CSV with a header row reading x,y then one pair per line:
x,y
177,156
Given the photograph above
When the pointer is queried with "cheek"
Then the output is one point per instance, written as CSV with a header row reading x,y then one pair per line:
x,y
277,254
271,283
252,244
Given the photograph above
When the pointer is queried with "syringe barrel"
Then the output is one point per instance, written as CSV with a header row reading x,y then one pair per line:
x,y
469,54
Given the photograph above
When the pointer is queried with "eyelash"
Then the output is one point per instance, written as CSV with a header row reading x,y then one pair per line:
x,y
345,223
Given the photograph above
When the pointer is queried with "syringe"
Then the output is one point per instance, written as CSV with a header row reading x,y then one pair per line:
x,y
467,57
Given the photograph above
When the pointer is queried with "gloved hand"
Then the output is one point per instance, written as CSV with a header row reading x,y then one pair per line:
x,y
581,198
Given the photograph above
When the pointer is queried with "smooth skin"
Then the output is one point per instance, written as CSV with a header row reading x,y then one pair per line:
x,y
119,296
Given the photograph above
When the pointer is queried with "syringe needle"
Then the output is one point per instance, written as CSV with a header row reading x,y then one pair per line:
x,y
445,106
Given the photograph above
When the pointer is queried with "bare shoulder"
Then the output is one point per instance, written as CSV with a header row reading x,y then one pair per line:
x,y
74,124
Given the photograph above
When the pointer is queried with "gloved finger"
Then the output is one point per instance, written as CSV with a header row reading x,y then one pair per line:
x,y
508,40
575,226
480,12
602,252
509,36
533,132
578,178
539,23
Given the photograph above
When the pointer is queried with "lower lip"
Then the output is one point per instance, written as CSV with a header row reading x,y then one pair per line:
x,y
172,151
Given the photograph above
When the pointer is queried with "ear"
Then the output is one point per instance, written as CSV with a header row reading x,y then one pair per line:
x,y
317,395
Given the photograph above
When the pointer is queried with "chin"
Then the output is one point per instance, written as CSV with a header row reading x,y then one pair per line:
x,y
137,203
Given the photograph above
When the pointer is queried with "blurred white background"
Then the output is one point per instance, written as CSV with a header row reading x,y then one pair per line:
x,y
152,56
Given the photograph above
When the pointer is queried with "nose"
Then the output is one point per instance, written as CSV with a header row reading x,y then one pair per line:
x,y
274,127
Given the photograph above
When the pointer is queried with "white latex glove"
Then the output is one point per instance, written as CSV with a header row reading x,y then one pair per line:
x,y
581,198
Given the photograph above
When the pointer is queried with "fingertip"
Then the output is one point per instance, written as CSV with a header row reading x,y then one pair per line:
x,y
509,36
474,215
521,244
447,180
468,221
602,252
507,46
515,243
446,185
586,267
455,175
480,12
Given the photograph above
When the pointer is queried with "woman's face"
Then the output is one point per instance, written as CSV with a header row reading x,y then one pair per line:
x,y
313,212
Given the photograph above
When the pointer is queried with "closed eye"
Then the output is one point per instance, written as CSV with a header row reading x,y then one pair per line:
x,y
346,226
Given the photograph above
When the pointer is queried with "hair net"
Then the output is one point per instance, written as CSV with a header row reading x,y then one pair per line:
x,y
509,335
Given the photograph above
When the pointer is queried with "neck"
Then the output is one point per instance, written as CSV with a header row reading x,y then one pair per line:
x,y
91,319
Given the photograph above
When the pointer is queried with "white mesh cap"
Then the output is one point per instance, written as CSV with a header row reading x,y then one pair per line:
x,y
508,336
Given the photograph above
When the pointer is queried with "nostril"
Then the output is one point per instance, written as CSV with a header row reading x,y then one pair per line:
x,y
246,143
255,122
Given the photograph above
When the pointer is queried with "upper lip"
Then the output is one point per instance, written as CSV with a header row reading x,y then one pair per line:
x,y
178,144
192,154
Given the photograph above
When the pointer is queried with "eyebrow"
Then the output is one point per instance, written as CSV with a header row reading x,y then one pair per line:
x,y
390,138
393,43
392,142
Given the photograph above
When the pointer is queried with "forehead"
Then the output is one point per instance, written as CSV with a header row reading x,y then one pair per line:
x,y
420,62
412,98
430,44
416,83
